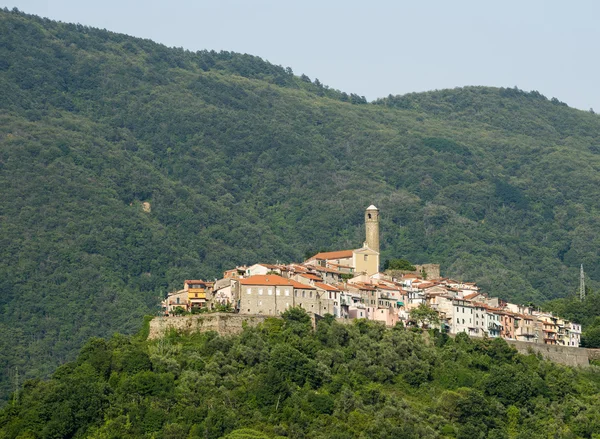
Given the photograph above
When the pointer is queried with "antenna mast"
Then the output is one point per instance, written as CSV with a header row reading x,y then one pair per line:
x,y
581,284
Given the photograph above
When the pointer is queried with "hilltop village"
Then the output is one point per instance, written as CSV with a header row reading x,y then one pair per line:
x,y
348,285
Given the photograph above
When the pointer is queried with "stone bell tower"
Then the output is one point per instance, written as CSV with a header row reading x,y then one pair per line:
x,y
372,227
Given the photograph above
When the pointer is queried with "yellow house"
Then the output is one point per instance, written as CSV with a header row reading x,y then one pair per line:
x,y
197,292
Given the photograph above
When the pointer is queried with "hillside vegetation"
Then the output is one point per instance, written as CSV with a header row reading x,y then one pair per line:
x,y
243,161
285,380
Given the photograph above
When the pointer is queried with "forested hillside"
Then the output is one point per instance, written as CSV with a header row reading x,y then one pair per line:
x,y
286,380
243,161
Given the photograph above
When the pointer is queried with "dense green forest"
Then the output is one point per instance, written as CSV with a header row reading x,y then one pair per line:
x,y
244,161
283,379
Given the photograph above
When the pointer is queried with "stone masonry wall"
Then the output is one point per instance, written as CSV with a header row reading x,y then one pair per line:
x,y
593,354
569,356
432,271
223,323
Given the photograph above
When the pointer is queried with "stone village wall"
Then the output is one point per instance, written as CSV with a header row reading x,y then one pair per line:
x,y
223,323
569,356
230,324
432,271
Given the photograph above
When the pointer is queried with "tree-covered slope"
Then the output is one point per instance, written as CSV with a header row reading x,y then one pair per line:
x,y
285,380
242,161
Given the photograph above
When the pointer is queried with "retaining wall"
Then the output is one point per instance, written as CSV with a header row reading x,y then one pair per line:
x,y
566,355
593,354
223,323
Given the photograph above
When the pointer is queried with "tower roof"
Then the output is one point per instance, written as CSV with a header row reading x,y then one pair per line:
x,y
372,207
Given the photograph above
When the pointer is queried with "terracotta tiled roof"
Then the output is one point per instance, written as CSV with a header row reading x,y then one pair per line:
x,y
273,279
328,270
439,293
296,267
387,287
194,282
311,276
481,305
364,286
326,287
470,296
340,254
340,266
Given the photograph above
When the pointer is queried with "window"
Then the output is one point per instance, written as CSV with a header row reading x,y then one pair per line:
x,y
366,256
463,321
260,291
248,290
457,320
277,292
270,291
178,300
310,294
286,292
303,293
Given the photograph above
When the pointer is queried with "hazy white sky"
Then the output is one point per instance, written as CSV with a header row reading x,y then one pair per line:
x,y
378,47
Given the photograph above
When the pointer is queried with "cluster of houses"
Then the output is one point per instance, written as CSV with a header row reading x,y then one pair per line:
x,y
348,285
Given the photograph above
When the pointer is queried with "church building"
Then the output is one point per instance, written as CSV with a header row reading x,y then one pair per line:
x,y
363,260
